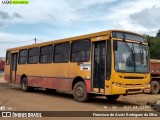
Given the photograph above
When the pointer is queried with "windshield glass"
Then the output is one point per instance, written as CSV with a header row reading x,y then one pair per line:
x,y
131,57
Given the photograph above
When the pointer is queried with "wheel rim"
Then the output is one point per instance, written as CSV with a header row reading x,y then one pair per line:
x,y
155,87
80,92
24,85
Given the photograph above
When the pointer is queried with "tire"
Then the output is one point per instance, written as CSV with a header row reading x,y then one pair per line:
x,y
112,97
80,92
155,87
24,85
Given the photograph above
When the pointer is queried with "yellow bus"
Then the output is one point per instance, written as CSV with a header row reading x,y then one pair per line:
x,y
109,63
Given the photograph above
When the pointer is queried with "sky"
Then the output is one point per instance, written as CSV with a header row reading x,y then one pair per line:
x,y
55,19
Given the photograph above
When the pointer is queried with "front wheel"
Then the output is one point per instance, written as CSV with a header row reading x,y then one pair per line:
x,y
80,92
112,97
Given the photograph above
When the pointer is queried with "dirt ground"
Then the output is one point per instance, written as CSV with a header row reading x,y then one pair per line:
x,y
12,98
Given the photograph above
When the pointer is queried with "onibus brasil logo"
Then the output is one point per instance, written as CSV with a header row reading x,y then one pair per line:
x,y
14,1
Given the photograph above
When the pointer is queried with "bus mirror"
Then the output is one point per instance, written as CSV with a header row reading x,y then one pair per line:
x,y
115,46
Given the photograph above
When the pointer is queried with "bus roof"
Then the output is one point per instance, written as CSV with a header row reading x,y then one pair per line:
x,y
107,32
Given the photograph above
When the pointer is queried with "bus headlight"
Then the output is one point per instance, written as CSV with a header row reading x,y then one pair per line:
x,y
118,84
146,84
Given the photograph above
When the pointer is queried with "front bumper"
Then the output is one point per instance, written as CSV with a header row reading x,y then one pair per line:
x,y
132,90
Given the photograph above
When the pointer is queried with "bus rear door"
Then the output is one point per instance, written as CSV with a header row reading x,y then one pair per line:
x,y
13,68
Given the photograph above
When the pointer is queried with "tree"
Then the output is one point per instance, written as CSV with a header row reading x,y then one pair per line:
x,y
158,33
154,45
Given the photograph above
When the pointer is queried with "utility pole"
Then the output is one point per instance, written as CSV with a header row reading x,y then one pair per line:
x,y
35,40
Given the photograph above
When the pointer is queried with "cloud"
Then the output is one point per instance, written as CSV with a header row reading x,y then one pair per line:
x,y
127,16
117,14
7,18
148,18
4,15
9,40
17,15
61,11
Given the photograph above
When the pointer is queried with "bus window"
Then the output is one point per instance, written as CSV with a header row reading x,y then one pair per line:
x,y
61,52
80,51
46,54
23,56
8,58
33,55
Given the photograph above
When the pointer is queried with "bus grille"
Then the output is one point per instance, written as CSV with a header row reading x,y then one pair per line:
x,y
132,77
133,85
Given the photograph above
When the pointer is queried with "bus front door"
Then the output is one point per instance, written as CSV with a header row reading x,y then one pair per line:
x,y
13,67
98,69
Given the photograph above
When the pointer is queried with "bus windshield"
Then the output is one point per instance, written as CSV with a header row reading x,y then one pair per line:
x,y
131,57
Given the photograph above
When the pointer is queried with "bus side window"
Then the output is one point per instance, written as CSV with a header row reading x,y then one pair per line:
x,y
33,55
80,51
61,52
46,54
8,56
23,54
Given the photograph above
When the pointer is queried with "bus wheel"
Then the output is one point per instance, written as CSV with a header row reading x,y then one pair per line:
x,y
79,92
112,97
24,85
155,87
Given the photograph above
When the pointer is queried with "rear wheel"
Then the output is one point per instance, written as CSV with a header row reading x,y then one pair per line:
x,y
80,92
155,87
112,97
24,85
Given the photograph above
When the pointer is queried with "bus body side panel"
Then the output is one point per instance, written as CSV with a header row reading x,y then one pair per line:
x,y
7,78
76,70
18,80
31,73
60,84
21,70
45,74
7,73
53,76
32,81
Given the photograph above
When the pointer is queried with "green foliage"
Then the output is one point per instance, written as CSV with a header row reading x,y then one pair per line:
x,y
158,33
154,45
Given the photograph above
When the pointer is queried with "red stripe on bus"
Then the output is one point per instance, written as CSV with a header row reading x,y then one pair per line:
x,y
88,85
53,83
